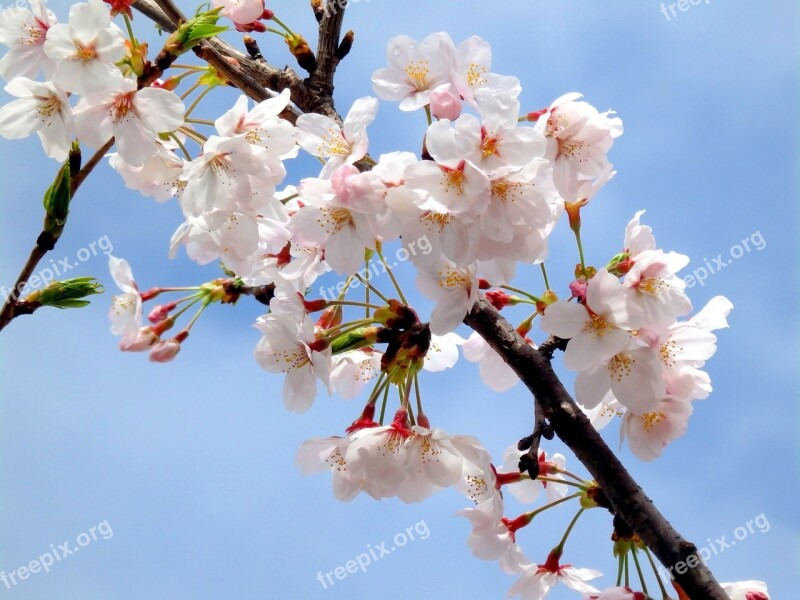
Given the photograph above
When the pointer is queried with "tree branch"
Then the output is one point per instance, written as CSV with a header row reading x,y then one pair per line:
x,y
574,429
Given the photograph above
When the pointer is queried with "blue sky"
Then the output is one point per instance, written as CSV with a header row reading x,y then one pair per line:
x,y
191,464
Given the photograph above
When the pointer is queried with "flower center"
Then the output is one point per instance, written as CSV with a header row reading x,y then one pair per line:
x,y
418,72
85,53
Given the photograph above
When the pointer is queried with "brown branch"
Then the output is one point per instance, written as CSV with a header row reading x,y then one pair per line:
x,y
45,242
574,429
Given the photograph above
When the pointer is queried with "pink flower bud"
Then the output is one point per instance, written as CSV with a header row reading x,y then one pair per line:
x,y
165,351
445,104
144,339
578,289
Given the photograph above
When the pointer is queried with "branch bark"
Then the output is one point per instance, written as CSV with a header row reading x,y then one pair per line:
x,y
574,429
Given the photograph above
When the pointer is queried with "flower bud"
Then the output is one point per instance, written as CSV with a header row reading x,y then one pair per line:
x,y
445,104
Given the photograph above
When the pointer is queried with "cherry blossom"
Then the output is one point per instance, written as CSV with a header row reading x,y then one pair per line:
x,y
133,117
292,349
416,70
746,590
322,136
126,310
454,290
597,331
85,49
537,581
41,108
24,31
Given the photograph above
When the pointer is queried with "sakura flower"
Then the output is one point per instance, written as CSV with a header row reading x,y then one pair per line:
x,y
443,352
579,137
649,433
133,117
321,136
126,310
262,125
493,370
537,580
453,184
415,70
455,291
634,376
24,31
515,201
493,537
85,49
654,287
241,12
220,177
497,140
43,109
638,238
158,177
337,216
473,79
378,455
318,454
597,331
292,349
353,370
528,490
686,346
746,590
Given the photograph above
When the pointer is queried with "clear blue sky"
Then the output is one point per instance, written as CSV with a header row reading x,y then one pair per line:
x,y
191,463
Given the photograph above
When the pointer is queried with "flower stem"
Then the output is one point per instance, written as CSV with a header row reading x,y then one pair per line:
x,y
523,292
639,570
197,100
664,594
372,287
563,541
134,43
391,276
544,275
580,251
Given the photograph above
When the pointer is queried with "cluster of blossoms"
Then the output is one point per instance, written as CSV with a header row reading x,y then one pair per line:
x,y
487,189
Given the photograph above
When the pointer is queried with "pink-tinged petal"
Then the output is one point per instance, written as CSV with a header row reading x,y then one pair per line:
x,y
88,18
450,311
592,386
564,319
162,110
299,389
586,351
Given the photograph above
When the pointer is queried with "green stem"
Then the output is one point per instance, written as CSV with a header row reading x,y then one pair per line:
x,y
419,396
620,561
391,276
192,88
428,114
551,480
563,541
282,24
580,251
541,509
372,287
523,292
200,121
664,594
353,303
544,274
134,43
639,571
197,100
177,140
